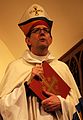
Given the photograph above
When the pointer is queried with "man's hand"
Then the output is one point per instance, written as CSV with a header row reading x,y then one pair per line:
x,y
52,103
37,71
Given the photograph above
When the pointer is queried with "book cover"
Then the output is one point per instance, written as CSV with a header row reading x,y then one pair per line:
x,y
52,82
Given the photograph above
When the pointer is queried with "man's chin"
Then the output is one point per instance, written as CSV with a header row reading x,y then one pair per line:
x,y
43,46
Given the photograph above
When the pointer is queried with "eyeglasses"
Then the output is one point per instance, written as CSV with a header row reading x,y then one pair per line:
x,y
38,30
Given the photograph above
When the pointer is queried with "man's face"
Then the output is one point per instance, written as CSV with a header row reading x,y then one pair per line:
x,y
40,38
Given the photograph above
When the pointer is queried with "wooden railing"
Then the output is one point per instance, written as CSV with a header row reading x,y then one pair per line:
x,y
74,59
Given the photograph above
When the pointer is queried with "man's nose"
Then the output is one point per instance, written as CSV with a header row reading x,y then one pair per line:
x,y
42,32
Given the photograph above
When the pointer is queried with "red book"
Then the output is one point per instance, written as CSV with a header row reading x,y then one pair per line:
x,y
52,82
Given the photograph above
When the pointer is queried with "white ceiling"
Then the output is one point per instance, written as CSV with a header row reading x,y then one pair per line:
x,y
66,14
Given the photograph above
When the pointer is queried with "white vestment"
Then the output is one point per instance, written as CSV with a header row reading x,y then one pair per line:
x,y
14,105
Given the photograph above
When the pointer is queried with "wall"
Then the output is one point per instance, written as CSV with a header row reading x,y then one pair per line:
x,y
5,58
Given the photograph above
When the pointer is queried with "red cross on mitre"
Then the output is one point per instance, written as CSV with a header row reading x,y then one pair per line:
x,y
36,10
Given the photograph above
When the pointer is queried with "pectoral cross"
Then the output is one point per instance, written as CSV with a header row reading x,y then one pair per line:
x,y
36,11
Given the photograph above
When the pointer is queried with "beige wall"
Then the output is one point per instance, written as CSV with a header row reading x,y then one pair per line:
x,y
5,58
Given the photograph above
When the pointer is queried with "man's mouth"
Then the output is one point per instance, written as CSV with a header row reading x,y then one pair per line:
x,y
42,39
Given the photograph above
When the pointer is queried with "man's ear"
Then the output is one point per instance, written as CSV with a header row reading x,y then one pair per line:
x,y
51,36
27,40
